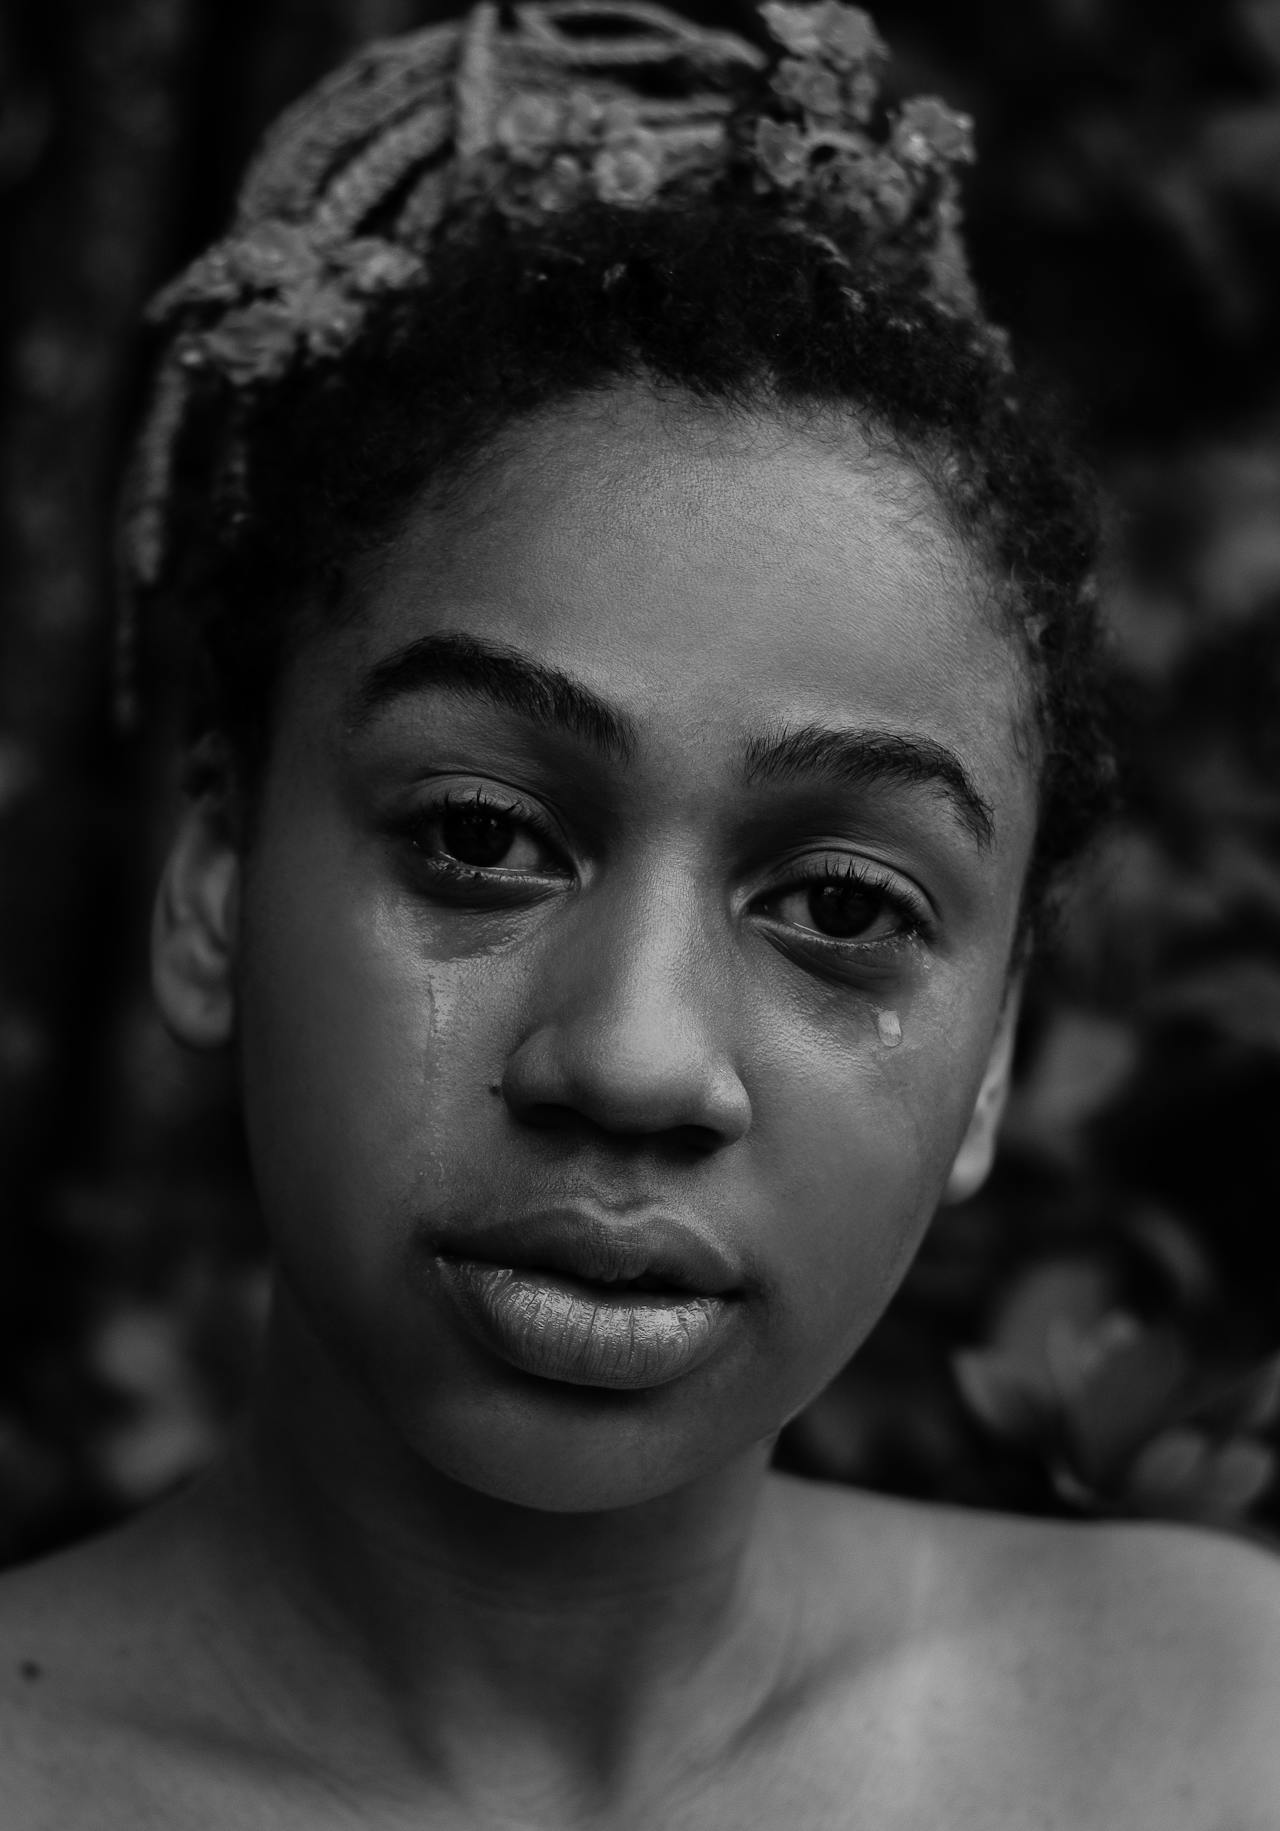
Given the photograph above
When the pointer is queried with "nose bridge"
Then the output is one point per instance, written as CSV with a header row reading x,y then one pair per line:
x,y
650,962
634,1019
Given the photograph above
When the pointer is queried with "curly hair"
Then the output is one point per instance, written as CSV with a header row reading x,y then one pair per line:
x,y
273,492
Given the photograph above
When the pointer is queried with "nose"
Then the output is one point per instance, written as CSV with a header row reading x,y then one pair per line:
x,y
632,1020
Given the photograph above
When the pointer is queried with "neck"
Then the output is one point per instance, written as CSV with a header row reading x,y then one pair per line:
x,y
602,1642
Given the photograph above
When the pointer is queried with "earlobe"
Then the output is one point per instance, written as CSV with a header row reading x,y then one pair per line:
x,y
195,928
977,1152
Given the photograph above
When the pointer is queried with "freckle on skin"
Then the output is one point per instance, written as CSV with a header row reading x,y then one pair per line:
x,y
889,1028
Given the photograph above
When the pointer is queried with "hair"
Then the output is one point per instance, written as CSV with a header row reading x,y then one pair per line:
x,y
274,492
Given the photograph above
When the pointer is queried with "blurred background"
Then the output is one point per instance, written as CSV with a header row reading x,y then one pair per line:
x,y
1096,1334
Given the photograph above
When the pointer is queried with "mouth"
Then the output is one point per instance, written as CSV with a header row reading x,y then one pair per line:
x,y
660,1253
571,1296
602,1290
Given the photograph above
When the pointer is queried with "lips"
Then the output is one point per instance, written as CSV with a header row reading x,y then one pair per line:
x,y
659,1251
571,1296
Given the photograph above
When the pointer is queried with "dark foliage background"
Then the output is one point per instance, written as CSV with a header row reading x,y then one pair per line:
x,y
1096,1333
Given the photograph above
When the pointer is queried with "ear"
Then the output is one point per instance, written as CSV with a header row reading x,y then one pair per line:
x,y
195,923
977,1152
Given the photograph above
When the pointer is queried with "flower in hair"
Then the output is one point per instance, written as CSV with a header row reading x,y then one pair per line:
x,y
832,72
844,35
530,128
628,172
560,187
590,121
927,132
530,111
535,133
255,344
281,290
816,147
584,116
274,254
810,86
374,266
562,151
871,187
782,152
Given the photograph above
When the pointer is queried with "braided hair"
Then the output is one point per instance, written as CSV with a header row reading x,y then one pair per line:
x,y
474,223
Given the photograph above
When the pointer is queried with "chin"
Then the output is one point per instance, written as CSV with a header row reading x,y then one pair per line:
x,y
416,1403
575,1449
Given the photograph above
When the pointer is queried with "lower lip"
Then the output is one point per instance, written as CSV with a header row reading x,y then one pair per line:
x,y
586,1335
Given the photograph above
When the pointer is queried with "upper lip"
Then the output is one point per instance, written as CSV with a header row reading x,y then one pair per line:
x,y
600,1248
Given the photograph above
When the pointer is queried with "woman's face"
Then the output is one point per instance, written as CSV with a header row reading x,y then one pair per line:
x,y
699,954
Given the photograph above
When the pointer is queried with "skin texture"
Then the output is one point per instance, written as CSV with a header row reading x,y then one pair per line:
x,y
425,1586
650,1034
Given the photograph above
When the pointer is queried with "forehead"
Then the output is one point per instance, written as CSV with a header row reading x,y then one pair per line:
x,y
711,572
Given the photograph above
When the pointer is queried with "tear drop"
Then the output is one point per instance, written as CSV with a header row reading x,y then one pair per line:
x,y
888,1028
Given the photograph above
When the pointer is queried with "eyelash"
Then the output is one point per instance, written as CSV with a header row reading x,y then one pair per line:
x,y
475,801
913,920
912,914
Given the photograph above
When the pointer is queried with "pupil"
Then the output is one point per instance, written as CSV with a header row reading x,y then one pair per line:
x,y
846,912
475,838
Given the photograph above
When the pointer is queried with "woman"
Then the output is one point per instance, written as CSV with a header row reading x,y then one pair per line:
x,y
645,669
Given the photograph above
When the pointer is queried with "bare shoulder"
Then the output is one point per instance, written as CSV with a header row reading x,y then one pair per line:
x,y
78,1622
98,1684
1118,1675
1153,1650
1189,1605
1201,1612
61,1635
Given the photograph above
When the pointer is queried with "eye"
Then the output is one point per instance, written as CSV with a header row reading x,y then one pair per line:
x,y
844,900
470,835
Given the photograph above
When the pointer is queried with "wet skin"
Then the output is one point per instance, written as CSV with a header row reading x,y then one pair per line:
x,y
651,988
428,1587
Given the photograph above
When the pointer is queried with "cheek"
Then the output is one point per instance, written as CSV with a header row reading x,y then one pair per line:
x,y
863,1139
364,1065
367,1061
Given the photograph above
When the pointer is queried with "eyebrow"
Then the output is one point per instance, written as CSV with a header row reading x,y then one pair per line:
x,y
547,696
470,664
859,759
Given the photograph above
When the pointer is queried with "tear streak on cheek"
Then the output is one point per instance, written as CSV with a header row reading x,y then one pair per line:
x,y
889,1028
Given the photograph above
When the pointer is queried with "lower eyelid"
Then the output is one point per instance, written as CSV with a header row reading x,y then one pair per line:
x,y
904,933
